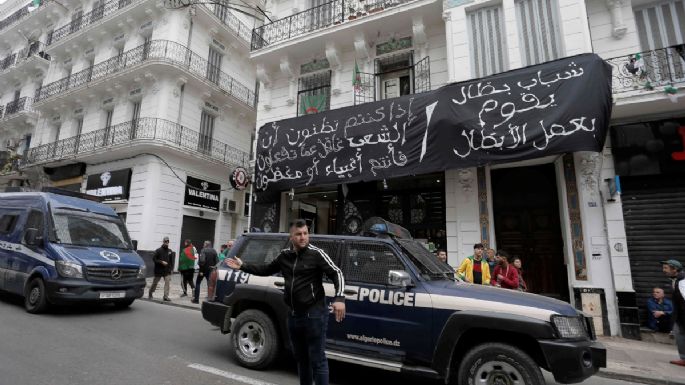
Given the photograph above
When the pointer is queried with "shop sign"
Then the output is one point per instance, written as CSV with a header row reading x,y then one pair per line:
x,y
110,185
556,107
201,193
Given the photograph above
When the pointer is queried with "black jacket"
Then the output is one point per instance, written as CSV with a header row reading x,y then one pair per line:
x,y
303,272
208,259
165,255
678,302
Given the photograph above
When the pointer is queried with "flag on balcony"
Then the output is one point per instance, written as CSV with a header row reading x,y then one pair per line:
x,y
311,104
357,78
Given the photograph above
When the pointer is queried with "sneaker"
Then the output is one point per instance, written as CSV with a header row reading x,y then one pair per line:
x,y
678,362
184,295
194,301
166,299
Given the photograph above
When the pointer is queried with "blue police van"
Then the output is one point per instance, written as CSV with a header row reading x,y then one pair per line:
x,y
407,312
58,249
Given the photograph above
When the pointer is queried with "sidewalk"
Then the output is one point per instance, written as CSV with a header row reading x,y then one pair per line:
x,y
629,360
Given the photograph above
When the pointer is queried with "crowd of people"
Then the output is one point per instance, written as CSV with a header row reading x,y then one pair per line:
x,y
189,263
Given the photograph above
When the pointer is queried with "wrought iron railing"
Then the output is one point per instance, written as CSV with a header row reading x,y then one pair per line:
x,y
231,21
16,58
155,50
24,104
319,17
144,129
648,70
89,18
20,14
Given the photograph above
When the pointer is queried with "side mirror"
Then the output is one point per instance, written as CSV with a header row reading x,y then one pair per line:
x,y
399,278
32,237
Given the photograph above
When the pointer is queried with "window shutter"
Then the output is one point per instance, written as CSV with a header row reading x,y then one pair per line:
x,y
487,43
538,23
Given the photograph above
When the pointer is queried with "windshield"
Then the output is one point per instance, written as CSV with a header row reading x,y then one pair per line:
x,y
429,265
90,230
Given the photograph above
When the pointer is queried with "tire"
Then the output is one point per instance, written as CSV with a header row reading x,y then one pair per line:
x,y
35,299
255,341
124,304
495,363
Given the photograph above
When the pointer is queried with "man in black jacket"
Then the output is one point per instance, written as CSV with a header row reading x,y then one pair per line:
x,y
303,267
208,260
674,270
163,259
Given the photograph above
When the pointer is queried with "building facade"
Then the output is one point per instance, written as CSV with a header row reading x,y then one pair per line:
x,y
149,107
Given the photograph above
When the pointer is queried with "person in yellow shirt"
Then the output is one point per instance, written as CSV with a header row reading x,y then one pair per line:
x,y
475,269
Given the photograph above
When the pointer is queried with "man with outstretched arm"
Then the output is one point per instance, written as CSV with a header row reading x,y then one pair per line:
x,y
303,267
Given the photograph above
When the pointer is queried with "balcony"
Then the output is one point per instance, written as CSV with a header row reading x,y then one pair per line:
x,y
133,137
337,12
33,56
10,164
16,22
153,52
215,13
20,15
647,82
15,109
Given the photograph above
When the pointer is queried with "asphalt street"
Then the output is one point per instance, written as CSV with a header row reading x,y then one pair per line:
x,y
149,343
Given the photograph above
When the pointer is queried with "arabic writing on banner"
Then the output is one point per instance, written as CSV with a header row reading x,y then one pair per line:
x,y
552,108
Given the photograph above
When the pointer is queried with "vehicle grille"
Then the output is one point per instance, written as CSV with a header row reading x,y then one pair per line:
x,y
111,274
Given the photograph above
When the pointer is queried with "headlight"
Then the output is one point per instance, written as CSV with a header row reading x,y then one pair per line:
x,y
570,327
141,272
69,269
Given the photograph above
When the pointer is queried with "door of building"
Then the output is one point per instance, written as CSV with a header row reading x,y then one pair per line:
x,y
197,230
527,225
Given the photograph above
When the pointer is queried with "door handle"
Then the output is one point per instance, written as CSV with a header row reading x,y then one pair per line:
x,y
279,284
350,291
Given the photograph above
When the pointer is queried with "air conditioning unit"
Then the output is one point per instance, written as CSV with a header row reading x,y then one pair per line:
x,y
229,206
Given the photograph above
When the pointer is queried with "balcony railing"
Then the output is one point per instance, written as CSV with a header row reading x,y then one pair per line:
x,y
319,17
89,18
155,50
232,22
24,104
10,164
16,58
19,15
647,70
144,129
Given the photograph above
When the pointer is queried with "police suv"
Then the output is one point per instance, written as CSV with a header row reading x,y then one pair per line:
x,y
57,249
406,312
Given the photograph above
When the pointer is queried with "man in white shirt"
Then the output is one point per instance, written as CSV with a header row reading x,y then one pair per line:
x,y
674,270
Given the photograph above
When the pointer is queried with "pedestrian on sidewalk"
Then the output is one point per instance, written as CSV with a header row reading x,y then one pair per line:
x,y
207,263
505,275
674,270
518,264
659,310
223,253
163,259
475,269
305,296
187,264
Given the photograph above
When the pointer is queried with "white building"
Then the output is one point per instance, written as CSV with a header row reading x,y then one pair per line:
x,y
557,213
137,101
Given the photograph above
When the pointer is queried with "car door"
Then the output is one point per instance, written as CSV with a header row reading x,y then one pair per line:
x,y
8,229
27,256
381,320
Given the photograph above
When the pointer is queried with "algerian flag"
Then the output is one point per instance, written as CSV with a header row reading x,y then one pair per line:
x,y
188,258
189,252
311,104
36,3
356,77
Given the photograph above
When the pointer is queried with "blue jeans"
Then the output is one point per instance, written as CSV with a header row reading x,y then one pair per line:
x,y
308,340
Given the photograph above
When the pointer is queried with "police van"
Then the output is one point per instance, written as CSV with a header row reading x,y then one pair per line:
x,y
406,312
57,249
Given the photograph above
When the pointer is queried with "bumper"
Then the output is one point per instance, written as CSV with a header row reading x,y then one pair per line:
x,y
217,314
573,361
73,290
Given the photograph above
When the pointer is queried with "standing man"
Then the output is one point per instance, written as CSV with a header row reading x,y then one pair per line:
x,y
442,255
186,266
474,269
659,311
492,262
163,259
505,275
208,260
303,267
674,270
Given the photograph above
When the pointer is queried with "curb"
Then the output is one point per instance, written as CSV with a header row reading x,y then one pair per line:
x,y
171,303
636,379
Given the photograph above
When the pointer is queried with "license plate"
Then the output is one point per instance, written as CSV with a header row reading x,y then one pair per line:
x,y
112,294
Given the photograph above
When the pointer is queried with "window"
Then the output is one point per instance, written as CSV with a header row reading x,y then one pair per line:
x,y
35,221
221,11
123,3
370,263
206,132
108,118
314,93
487,44
395,75
538,30
214,65
107,137
79,126
98,10
7,223
76,20
262,250
135,117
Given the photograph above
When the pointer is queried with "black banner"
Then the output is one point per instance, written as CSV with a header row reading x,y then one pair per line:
x,y
201,193
552,108
109,185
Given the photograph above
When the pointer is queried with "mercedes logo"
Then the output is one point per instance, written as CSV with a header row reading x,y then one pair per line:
x,y
116,274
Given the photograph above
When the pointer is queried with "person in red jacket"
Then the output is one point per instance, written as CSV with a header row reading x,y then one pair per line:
x,y
505,275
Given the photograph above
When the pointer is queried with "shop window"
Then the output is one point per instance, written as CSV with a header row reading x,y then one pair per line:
x,y
314,93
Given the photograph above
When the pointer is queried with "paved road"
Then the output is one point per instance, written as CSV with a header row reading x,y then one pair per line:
x,y
149,343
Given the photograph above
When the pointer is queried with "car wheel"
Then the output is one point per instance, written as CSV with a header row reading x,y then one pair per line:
x,y
124,304
35,299
495,363
255,339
